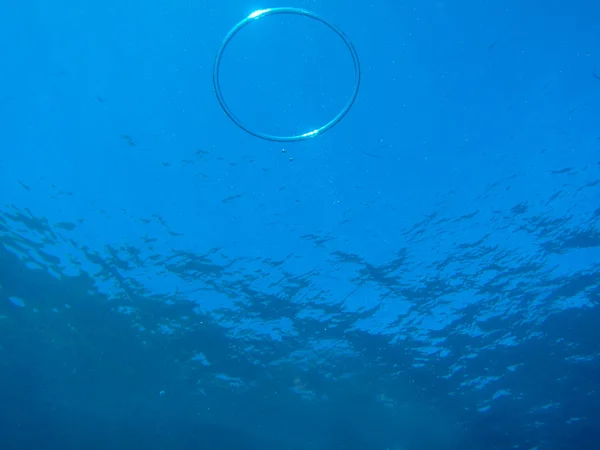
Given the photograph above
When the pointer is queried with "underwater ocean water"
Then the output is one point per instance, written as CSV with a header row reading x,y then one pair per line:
x,y
425,275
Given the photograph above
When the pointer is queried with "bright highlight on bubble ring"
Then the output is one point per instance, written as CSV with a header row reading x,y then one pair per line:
x,y
256,15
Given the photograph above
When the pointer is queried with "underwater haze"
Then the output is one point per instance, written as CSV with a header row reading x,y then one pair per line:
x,y
425,275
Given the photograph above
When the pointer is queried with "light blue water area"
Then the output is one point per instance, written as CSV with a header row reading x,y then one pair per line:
x,y
425,275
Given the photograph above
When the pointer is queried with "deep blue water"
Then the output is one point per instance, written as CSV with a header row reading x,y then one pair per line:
x,y
423,276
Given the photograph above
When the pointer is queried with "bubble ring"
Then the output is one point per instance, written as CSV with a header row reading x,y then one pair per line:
x,y
301,12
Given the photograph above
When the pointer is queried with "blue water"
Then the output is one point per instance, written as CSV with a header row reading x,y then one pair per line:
x,y
423,276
